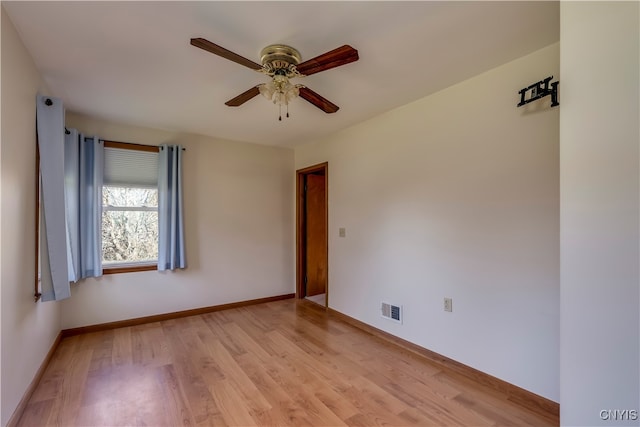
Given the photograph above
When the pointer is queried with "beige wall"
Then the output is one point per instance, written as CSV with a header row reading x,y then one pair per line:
x,y
455,195
599,140
28,329
238,225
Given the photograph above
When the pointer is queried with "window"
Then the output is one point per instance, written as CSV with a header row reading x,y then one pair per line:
x,y
129,225
129,208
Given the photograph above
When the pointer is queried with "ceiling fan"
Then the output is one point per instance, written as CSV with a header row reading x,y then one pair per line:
x,y
281,63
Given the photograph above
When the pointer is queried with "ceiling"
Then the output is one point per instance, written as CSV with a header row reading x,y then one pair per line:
x,y
131,62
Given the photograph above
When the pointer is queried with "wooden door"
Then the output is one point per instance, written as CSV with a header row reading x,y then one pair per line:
x,y
315,235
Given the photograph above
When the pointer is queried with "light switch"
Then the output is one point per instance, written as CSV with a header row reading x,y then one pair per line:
x,y
342,232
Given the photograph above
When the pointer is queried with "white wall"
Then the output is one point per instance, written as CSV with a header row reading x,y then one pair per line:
x,y
1,419
28,329
238,225
455,195
599,139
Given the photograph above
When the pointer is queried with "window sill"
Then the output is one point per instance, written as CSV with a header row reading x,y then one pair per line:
x,y
128,268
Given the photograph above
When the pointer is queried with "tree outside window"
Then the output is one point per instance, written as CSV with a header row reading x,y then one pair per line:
x,y
129,225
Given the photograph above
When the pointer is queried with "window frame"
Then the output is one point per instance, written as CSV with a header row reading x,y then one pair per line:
x,y
36,292
133,266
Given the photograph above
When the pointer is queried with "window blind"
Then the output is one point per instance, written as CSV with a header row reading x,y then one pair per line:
x,y
130,168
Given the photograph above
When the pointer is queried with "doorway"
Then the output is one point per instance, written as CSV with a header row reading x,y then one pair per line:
x,y
312,234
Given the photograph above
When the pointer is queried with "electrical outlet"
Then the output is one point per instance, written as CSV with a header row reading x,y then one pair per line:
x,y
342,232
448,304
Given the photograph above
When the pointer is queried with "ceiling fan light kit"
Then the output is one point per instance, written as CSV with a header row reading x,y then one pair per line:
x,y
282,63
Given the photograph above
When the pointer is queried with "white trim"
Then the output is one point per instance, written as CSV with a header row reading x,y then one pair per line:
x,y
124,264
130,208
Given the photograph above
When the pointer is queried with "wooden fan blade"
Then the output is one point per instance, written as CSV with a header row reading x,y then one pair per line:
x,y
317,100
243,97
335,58
226,54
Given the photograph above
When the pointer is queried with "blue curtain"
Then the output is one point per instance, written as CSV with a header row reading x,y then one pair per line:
x,y
171,247
54,264
84,167
71,170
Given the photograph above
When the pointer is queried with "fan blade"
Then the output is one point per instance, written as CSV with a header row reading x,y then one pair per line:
x,y
243,97
335,58
317,100
227,54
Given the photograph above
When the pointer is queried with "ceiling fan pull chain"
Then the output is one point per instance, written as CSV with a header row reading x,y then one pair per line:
x,y
280,114
287,111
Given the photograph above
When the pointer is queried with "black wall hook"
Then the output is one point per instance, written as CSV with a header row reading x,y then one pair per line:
x,y
540,90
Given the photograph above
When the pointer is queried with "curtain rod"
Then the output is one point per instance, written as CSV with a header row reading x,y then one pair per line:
x,y
49,103
66,131
159,147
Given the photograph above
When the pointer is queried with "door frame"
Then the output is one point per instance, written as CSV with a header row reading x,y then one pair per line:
x,y
300,226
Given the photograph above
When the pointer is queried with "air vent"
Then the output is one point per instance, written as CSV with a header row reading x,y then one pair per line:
x,y
391,312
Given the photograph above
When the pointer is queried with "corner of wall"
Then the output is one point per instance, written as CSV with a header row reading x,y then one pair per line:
x,y
600,212
28,330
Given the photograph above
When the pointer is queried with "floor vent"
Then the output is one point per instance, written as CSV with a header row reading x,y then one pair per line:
x,y
392,312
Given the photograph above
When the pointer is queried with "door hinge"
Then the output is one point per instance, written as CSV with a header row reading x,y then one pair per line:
x,y
305,280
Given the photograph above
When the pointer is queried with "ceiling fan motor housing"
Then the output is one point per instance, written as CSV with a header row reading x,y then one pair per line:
x,y
280,56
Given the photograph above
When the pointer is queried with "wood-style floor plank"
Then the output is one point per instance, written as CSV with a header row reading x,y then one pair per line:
x,y
284,363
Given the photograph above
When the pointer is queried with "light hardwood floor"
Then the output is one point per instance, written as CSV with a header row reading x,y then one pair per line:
x,y
279,363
